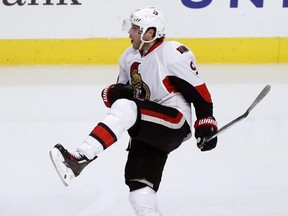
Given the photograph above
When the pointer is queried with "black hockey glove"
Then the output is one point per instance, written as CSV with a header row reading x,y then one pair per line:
x,y
116,91
204,128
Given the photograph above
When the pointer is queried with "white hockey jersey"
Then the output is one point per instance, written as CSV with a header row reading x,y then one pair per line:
x,y
154,73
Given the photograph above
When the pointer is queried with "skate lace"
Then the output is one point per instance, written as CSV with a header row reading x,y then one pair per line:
x,y
76,156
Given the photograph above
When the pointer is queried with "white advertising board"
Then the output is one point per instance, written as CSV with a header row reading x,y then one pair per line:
x,y
48,19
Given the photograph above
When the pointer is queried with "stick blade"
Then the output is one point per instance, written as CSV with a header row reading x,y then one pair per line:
x,y
261,95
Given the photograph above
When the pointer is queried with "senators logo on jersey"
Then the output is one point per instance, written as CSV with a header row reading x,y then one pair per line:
x,y
142,90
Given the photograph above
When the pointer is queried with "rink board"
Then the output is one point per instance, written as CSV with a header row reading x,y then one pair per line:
x,y
107,50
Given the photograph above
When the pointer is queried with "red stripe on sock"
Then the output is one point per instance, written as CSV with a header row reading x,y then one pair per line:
x,y
104,135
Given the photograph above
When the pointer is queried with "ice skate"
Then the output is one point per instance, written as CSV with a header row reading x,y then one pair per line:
x,y
67,165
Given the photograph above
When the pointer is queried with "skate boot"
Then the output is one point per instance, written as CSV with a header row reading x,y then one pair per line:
x,y
67,165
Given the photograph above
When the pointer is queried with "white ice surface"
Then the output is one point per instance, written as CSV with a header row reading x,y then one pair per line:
x,y
246,175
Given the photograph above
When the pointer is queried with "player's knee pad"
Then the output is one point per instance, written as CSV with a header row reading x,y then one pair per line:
x,y
144,202
121,116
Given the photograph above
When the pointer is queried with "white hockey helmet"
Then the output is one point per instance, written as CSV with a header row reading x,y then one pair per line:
x,y
148,17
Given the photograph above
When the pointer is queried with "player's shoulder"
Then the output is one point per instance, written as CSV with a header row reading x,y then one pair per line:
x,y
176,51
175,46
172,44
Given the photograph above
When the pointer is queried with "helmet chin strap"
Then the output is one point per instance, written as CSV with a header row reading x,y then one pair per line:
x,y
143,41
141,45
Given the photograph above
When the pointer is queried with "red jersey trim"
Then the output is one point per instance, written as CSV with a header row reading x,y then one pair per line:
x,y
168,85
157,44
162,119
203,91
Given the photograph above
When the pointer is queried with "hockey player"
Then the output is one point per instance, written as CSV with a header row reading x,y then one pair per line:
x,y
157,83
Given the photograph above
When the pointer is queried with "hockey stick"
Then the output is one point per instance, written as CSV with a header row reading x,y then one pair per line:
x,y
261,95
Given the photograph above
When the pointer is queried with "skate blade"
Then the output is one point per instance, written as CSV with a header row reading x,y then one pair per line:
x,y
65,173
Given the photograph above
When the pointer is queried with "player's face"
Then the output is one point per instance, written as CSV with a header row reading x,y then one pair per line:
x,y
135,36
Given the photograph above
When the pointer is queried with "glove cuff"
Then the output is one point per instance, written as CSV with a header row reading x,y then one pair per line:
x,y
209,121
105,95
116,91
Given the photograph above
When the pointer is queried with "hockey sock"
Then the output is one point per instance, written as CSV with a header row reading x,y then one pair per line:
x,y
120,118
144,202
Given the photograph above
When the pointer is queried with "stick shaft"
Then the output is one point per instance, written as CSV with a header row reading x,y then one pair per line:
x,y
260,96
